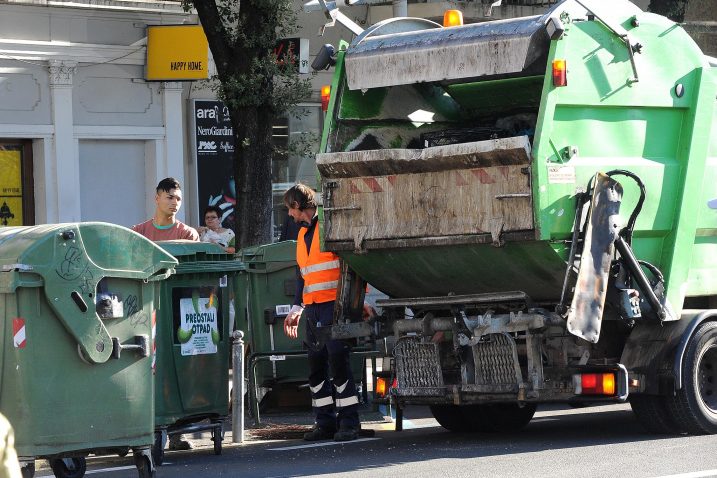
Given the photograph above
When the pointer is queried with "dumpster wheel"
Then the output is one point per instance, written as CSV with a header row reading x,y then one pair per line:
x,y
217,437
69,467
143,462
160,440
28,471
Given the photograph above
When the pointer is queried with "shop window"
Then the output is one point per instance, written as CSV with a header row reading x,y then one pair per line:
x,y
17,205
296,139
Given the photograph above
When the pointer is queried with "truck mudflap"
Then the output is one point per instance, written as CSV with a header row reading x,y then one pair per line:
x,y
586,311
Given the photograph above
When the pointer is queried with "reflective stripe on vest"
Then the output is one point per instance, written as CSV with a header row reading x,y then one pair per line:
x,y
320,270
308,289
319,267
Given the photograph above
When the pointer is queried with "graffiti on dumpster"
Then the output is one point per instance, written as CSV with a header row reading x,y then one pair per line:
x,y
73,265
136,315
130,305
87,283
139,318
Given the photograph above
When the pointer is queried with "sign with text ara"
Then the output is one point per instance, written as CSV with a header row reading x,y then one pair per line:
x,y
176,53
214,150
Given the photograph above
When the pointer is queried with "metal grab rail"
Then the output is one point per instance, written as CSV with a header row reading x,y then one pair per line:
x,y
257,357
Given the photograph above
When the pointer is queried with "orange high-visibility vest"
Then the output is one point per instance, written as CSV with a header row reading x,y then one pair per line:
x,y
320,270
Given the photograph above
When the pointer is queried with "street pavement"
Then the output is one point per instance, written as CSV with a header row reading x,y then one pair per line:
x,y
600,441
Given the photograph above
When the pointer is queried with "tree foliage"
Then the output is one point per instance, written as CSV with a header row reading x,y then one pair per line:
x,y
672,9
242,36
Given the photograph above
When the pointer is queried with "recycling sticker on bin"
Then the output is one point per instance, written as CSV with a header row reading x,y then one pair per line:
x,y
198,332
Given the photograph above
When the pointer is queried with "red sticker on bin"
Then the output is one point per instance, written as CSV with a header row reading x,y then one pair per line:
x,y
18,333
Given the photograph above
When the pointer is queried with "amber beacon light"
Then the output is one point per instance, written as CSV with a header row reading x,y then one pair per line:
x,y
452,18
560,73
325,95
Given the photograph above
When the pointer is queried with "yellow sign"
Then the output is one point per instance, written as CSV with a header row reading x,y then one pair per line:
x,y
176,52
10,188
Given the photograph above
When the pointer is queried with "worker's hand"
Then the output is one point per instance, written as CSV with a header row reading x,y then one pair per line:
x,y
291,322
368,312
201,230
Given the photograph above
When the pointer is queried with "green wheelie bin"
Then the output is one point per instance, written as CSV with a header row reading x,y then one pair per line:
x,y
194,343
77,303
265,294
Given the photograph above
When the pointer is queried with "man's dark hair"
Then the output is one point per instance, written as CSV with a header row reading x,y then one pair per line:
x,y
167,184
215,209
301,194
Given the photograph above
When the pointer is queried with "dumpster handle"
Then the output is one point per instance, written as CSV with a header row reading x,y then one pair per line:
x,y
141,345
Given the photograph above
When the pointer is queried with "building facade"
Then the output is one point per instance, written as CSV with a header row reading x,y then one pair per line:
x,y
84,137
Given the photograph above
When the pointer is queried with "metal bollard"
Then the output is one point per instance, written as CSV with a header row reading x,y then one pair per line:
x,y
238,386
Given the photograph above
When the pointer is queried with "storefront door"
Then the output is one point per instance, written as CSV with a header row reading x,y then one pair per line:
x,y
17,205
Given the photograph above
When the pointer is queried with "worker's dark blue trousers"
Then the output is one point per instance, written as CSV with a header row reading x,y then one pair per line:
x,y
333,390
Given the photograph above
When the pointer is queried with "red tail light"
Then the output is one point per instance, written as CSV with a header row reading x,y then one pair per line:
x,y
595,384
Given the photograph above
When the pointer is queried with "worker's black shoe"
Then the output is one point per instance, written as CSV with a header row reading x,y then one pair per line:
x,y
319,433
346,434
176,443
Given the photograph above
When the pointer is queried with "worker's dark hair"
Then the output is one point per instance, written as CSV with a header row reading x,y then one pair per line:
x,y
215,209
167,184
301,194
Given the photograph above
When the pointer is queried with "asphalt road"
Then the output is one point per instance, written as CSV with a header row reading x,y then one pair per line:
x,y
603,441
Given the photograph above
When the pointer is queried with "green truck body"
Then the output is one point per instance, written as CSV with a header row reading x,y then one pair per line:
x,y
502,209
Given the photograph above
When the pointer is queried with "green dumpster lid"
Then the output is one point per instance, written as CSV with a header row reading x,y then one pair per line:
x,y
196,256
284,251
269,257
68,261
66,251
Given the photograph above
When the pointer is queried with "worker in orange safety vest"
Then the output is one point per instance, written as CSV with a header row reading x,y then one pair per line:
x,y
334,397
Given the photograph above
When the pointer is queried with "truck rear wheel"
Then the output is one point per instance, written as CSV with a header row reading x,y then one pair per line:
x,y
497,418
652,413
695,405
506,417
454,418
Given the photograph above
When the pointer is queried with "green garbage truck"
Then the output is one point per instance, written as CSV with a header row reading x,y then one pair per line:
x,y
536,196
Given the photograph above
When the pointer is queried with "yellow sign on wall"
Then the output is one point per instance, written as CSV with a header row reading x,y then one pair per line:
x,y
10,188
176,52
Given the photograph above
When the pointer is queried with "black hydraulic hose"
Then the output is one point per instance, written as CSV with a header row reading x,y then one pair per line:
x,y
653,269
628,230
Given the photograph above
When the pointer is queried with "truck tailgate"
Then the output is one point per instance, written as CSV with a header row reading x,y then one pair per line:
x,y
373,199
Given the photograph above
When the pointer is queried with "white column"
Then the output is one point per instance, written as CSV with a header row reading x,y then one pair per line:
x,y
44,172
174,138
67,169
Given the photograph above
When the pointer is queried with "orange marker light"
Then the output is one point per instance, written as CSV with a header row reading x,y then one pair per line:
x,y
560,73
325,96
381,388
595,384
452,18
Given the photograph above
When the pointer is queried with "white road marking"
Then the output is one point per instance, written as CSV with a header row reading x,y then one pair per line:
x,y
694,474
114,468
101,470
328,443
